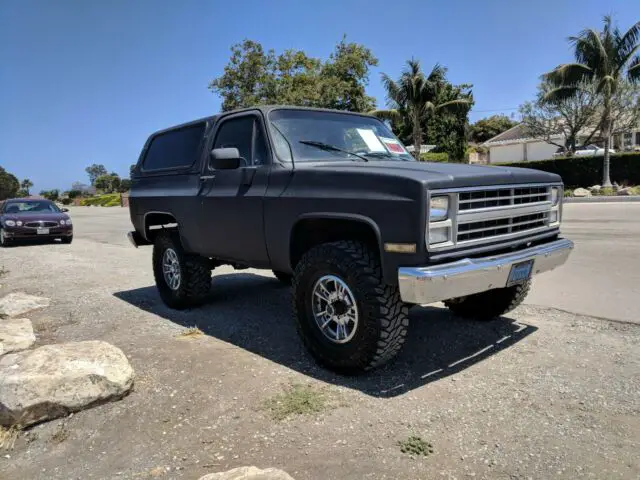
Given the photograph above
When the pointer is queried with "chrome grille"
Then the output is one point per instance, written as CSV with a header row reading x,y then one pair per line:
x,y
41,224
485,215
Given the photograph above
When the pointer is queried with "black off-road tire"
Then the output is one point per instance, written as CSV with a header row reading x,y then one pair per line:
x,y
285,278
195,273
383,317
490,304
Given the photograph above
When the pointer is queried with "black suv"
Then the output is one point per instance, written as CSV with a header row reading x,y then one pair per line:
x,y
333,203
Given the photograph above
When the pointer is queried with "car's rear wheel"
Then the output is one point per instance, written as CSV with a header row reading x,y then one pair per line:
x,y
490,304
4,241
183,280
348,318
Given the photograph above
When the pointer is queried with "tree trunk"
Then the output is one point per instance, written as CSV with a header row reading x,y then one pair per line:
x,y
417,137
606,131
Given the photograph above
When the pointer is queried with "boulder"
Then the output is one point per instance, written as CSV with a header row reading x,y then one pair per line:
x,y
624,191
581,192
15,334
595,188
249,473
18,303
55,380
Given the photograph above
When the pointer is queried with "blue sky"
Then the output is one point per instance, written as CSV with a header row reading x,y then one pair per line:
x,y
86,81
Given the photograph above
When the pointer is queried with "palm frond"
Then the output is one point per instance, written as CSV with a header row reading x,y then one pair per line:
x,y
633,73
395,94
569,74
560,94
624,60
454,105
629,40
390,114
590,49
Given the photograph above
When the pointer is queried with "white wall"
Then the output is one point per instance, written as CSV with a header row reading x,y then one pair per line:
x,y
506,153
516,152
540,150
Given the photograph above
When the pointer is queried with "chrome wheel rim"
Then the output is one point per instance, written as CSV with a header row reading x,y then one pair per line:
x,y
171,268
334,309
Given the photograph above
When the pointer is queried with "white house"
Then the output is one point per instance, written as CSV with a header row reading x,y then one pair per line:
x,y
516,145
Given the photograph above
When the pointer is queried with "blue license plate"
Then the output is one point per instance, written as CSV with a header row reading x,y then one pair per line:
x,y
520,272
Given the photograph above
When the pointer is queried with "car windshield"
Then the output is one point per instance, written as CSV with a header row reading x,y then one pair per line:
x,y
31,206
309,136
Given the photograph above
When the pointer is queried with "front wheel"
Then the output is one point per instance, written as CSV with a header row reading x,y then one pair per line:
x,y
183,280
348,318
4,241
490,304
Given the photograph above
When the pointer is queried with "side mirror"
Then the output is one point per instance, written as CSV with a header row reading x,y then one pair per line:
x,y
225,159
64,210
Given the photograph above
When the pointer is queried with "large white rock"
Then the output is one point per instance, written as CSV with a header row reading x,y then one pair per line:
x,y
249,473
54,380
15,334
18,303
581,192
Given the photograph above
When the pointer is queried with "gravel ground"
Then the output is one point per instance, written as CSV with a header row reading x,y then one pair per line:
x,y
539,394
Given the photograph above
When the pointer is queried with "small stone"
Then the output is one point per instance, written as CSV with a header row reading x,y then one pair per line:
x,y
249,473
16,334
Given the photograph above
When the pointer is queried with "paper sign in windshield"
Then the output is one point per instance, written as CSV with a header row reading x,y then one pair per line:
x,y
393,145
370,138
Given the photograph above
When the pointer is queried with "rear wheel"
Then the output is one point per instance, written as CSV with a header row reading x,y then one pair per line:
x,y
490,304
285,278
183,280
348,318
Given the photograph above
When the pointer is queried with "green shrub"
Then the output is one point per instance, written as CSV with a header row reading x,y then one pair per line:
x,y
587,171
434,157
109,200
67,201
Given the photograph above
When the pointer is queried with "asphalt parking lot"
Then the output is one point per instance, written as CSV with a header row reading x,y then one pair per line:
x,y
550,391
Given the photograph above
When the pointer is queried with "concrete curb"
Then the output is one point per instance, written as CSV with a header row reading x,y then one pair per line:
x,y
603,199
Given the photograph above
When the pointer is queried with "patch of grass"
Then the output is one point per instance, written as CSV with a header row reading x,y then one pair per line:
x,y
191,332
415,446
297,400
604,191
568,192
8,437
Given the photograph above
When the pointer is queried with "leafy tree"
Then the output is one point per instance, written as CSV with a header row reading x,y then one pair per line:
x,y
25,185
548,118
415,98
95,171
9,184
75,193
255,77
125,185
605,58
489,127
108,183
52,195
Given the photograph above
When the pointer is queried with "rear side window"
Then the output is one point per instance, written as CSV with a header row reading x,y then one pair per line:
x,y
174,149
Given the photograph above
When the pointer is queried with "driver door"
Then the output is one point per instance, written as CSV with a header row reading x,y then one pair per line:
x,y
231,201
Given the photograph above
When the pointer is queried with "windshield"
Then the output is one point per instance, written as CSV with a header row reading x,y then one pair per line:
x,y
307,131
31,206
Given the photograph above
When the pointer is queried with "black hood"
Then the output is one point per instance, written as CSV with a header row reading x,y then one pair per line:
x,y
441,175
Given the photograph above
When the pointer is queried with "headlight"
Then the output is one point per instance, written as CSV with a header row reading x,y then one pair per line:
x,y
68,221
19,223
10,223
438,208
62,222
555,196
438,235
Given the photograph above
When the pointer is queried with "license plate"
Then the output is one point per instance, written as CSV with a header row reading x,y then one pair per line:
x,y
42,231
520,272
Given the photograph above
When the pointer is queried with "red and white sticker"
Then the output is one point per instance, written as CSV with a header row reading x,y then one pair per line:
x,y
393,145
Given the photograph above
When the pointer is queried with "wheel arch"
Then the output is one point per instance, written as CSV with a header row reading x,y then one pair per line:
x,y
159,220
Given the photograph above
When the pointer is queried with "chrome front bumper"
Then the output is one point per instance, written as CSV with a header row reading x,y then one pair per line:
x,y
421,285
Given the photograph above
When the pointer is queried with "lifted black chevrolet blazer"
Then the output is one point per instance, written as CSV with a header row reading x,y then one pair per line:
x,y
333,203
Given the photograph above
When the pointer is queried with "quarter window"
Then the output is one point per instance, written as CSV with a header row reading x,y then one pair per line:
x,y
174,149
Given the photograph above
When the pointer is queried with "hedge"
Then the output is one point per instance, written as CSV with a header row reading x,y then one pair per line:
x,y
434,157
587,171
110,200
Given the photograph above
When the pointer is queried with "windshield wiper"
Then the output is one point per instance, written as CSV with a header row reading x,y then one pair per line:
x,y
386,155
332,148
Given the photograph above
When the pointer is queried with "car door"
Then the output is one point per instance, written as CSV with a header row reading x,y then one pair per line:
x,y
231,219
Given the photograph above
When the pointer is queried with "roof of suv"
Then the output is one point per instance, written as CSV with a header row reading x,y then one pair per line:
x,y
265,109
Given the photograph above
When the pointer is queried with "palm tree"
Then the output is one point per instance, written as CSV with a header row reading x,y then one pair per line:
x,y
607,59
414,98
25,185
